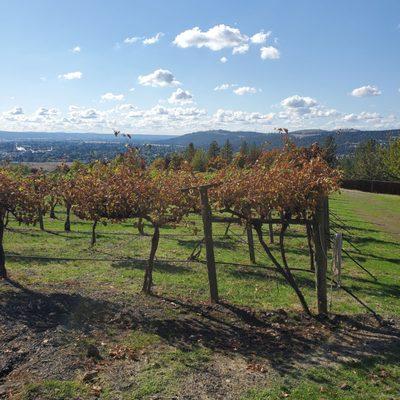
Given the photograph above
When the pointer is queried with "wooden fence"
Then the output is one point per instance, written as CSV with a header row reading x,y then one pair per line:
x,y
386,187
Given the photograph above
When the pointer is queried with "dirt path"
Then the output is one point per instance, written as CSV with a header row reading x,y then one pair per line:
x,y
381,210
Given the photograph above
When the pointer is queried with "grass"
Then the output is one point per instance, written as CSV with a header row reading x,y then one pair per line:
x,y
163,376
65,260
138,340
114,270
54,390
354,381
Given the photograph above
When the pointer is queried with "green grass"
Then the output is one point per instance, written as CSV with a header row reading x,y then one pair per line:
x,y
108,268
165,372
54,390
113,270
354,381
139,340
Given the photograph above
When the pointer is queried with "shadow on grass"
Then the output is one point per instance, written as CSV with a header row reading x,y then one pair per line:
x,y
284,340
218,243
159,266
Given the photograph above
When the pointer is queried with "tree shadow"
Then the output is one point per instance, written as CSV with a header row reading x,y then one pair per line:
x,y
160,266
227,244
283,340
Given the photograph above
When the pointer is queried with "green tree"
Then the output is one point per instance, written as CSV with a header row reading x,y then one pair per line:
x,y
369,161
190,152
391,157
227,151
199,160
330,151
244,148
213,150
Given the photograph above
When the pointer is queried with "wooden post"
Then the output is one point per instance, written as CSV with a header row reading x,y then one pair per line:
x,y
321,260
207,226
271,230
250,242
327,231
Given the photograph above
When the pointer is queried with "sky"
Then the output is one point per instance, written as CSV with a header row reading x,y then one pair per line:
x,y
179,66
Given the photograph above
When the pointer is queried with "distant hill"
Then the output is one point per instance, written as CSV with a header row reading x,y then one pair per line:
x,y
204,138
78,136
346,139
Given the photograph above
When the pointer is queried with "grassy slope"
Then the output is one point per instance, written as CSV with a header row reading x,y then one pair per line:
x,y
251,286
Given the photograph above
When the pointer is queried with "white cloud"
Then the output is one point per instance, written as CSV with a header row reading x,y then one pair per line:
x,y
224,60
181,97
366,91
216,38
240,91
158,78
229,116
131,40
47,112
260,37
112,97
269,53
224,86
243,49
363,116
71,75
15,111
132,89
76,49
297,101
153,39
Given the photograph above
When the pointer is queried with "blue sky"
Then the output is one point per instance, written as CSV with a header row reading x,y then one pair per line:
x,y
179,66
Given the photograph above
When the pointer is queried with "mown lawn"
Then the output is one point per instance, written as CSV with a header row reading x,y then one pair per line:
x,y
54,260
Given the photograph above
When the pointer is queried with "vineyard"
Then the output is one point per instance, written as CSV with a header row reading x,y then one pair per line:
x,y
226,272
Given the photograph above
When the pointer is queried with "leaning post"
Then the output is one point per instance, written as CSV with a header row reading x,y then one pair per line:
x,y
321,256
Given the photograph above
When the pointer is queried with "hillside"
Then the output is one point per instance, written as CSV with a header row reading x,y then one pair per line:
x,y
345,139
77,136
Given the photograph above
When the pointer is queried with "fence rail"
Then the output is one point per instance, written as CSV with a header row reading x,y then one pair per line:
x,y
385,187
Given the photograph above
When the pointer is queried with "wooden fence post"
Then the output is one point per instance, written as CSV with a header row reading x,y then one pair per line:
x,y
327,231
250,242
321,261
208,239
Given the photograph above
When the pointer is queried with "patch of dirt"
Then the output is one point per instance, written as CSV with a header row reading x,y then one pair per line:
x,y
62,334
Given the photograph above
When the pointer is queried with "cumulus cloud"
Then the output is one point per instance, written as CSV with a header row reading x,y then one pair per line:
x,y
112,97
260,37
366,91
363,116
269,53
158,78
216,38
224,60
132,39
224,36
243,49
15,111
297,101
230,116
76,49
46,112
181,97
71,75
153,39
240,91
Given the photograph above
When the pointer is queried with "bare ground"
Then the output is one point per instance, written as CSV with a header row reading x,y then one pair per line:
x,y
56,335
